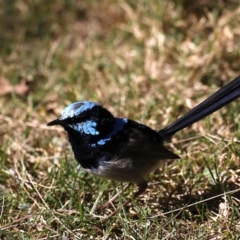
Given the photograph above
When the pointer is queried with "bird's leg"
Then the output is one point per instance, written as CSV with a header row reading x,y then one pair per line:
x,y
111,200
141,189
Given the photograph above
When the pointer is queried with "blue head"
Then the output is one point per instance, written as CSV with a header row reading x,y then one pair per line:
x,y
83,117
88,122
89,127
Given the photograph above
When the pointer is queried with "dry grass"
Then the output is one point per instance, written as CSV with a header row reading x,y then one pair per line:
x,y
150,61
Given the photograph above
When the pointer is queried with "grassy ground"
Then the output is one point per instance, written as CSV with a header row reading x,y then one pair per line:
x,y
146,60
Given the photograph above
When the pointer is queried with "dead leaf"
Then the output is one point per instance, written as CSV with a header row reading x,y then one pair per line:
x,y
5,86
21,88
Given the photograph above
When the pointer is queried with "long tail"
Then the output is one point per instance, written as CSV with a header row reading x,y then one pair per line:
x,y
219,99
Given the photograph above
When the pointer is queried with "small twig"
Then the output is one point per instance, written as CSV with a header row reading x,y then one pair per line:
x,y
2,207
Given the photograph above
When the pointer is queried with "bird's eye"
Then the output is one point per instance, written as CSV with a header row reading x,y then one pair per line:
x,y
73,120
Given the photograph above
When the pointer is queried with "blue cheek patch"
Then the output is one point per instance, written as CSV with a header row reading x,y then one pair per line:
x,y
87,127
77,108
119,125
103,141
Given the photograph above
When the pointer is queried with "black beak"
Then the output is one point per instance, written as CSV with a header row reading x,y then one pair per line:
x,y
54,122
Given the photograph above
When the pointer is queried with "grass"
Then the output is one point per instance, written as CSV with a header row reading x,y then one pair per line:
x,y
149,61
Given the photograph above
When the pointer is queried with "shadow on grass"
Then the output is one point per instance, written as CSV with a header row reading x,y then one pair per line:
x,y
198,204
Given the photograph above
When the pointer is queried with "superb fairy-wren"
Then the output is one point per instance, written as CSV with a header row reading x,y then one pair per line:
x,y
124,150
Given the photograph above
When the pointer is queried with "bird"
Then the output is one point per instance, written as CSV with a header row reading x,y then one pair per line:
x,y
121,149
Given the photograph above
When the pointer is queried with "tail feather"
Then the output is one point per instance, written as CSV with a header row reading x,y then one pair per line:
x,y
219,99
